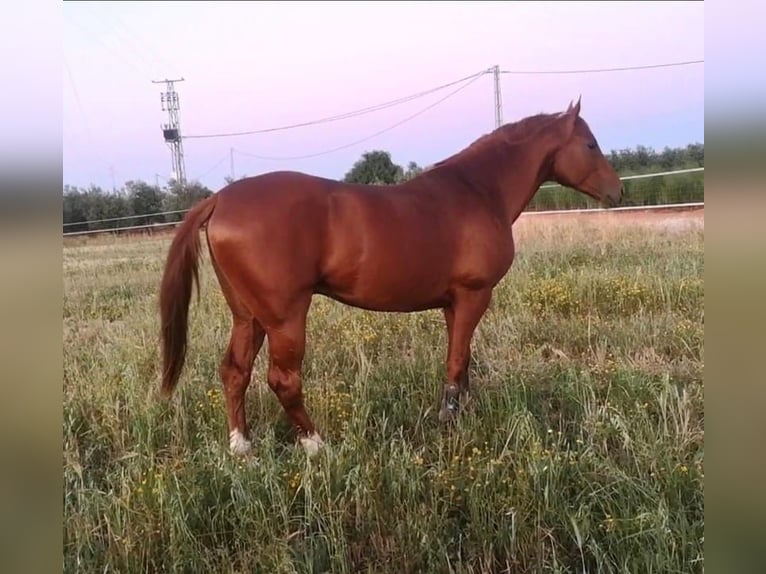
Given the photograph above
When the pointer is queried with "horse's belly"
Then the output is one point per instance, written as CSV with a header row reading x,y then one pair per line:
x,y
390,281
378,300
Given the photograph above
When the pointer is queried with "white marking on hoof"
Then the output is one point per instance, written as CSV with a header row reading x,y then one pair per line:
x,y
238,444
312,444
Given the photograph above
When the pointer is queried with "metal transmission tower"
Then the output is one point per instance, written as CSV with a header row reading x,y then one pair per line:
x,y
498,99
172,130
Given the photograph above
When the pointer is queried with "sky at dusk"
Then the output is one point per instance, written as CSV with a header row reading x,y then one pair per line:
x,y
257,65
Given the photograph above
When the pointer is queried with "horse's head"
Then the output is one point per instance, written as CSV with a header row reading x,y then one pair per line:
x,y
579,163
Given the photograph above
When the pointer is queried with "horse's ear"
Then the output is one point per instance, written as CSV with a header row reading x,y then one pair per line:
x,y
574,109
570,117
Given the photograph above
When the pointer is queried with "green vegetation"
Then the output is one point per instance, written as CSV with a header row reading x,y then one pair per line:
x,y
680,188
582,448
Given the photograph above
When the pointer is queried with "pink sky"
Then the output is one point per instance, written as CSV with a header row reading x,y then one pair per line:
x,y
262,64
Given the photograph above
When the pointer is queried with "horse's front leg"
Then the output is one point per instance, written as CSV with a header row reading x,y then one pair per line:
x,y
462,317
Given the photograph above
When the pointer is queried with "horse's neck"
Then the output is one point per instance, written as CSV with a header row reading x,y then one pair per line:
x,y
511,172
531,167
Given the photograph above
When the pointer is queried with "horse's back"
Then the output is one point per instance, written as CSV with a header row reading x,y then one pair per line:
x,y
395,247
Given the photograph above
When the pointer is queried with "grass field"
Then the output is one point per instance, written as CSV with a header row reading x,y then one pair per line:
x,y
582,448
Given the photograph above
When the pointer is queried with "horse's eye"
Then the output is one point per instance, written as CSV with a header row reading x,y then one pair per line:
x,y
591,145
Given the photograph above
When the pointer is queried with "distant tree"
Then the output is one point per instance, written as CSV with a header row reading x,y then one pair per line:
x,y
144,199
375,167
413,170
75,209
644,156
670,157
644,159
696,154
183,197
93,205
228,180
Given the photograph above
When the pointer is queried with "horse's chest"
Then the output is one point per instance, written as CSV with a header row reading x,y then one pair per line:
x,y
485,263
503,257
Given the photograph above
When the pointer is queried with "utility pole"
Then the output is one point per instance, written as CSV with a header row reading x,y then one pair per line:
x,y
498,98
231,163
172,130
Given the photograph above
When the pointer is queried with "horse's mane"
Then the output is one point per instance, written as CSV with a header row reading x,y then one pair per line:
x,y
510,132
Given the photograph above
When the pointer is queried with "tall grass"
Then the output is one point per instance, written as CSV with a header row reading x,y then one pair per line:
x,y
582,448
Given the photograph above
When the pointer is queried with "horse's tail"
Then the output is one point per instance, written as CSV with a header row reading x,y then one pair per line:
x,y
181,270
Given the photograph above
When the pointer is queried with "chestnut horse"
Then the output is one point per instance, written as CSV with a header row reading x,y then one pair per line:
x,y
440,240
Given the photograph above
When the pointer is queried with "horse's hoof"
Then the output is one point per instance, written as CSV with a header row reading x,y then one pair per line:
x,y
238,444
448,412
312,444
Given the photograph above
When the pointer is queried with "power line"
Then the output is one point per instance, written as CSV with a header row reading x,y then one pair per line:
x,y
219,162
600,70
76,95
405,99
94,36
79,103
84,116
338,117
122,39
142,44
364,139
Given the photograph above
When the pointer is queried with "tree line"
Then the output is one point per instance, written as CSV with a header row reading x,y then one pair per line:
x,y
84,209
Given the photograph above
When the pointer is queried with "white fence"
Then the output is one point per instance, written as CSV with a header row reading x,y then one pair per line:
x,y
593,209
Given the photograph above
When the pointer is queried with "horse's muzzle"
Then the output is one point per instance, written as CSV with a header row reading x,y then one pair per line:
x,y
614,199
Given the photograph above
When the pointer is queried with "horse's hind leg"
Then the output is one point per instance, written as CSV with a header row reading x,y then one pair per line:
x,y
236,369
287,344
